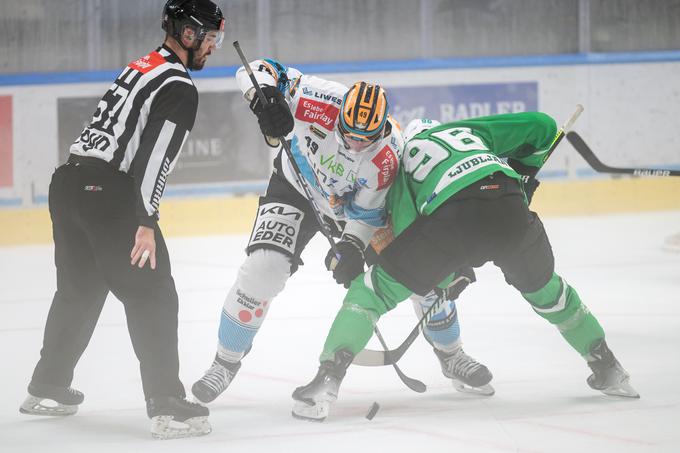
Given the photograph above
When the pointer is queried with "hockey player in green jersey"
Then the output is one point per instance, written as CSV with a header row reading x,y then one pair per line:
x,y
461,198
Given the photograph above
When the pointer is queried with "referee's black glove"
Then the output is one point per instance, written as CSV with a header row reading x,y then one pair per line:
x,y
350,263
274,118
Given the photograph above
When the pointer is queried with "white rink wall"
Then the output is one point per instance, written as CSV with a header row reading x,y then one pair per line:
x,y
631,118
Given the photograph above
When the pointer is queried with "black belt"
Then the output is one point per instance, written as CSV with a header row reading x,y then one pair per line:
x,y
89,161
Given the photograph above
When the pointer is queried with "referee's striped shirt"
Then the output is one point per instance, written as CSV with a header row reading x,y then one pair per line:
x,y
141,124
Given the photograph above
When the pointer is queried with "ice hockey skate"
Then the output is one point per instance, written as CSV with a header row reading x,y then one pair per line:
x,y
45,399
313,401
466,374
174,418
215,380
608,376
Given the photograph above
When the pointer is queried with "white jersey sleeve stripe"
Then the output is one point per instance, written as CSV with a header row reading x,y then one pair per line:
x,y
157,168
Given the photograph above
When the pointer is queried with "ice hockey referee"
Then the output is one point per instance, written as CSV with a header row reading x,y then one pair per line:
x,y
104,208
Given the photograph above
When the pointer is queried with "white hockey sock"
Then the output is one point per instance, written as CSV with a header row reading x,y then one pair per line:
x,y
260,278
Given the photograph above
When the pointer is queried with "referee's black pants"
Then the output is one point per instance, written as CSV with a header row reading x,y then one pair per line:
x,y
92,207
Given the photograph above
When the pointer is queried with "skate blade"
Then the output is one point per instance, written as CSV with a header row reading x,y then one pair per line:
x,y
38,406
164,427
484,390
624,389
317,412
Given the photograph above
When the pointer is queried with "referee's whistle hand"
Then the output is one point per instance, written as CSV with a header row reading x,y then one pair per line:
x,y
144,248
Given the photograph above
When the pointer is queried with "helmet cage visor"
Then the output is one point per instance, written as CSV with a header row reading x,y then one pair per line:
x,y
203,33
356,142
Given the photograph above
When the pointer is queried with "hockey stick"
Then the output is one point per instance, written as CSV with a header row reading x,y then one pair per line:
x,y
369,357
562,131
286,146
413,384
584,150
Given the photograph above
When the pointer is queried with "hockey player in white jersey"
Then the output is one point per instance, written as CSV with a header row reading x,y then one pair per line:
x,y
348,150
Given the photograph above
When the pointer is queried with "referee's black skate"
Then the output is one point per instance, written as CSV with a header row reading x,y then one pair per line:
x,y
173,418
313,401
466,374
46,399
608,376
215,380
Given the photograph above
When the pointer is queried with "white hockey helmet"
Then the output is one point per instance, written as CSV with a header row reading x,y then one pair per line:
x,y
415,127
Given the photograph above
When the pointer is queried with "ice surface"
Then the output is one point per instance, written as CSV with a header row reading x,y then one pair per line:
x,y
542,403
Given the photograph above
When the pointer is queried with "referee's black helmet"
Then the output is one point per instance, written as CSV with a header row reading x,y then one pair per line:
x,y
198,19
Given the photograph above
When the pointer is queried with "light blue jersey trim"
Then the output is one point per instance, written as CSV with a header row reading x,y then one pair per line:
x,y
374,217
303,165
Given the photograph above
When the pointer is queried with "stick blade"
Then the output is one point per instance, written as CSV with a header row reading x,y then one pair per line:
x,y
414,384
584,150
370,357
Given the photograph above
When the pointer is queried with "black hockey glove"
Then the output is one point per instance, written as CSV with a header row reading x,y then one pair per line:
x,y
528,174
530,185
351,261
453,291
274,117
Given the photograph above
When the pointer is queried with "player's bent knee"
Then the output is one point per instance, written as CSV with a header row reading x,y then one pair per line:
x,y
555,300
530,267
260,278
264,273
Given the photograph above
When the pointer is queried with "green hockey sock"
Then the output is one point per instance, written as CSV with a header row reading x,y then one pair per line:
x,y
560,304
352,328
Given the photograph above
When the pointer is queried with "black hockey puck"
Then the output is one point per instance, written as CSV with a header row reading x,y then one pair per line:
x,y
373,410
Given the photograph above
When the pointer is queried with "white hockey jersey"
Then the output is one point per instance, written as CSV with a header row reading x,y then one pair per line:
x,y
347,186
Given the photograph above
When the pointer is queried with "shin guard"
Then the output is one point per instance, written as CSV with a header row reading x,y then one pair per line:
x,y
560,304
442,330
260,278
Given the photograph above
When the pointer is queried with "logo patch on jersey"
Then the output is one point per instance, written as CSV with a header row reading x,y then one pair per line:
x,y
387,165
323,96
465,167
316,131
490,187
317,112
160,183
277,225
147,63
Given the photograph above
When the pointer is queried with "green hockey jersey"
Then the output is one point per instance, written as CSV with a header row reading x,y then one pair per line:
x,y
439,162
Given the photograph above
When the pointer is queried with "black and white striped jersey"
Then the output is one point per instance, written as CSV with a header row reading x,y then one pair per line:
x,y
141,124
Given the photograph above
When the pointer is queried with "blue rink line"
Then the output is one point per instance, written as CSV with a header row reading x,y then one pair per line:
x,y
374,66
10,202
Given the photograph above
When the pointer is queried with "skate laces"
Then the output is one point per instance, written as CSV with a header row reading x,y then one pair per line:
x,y
72,391
218,377
461,364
